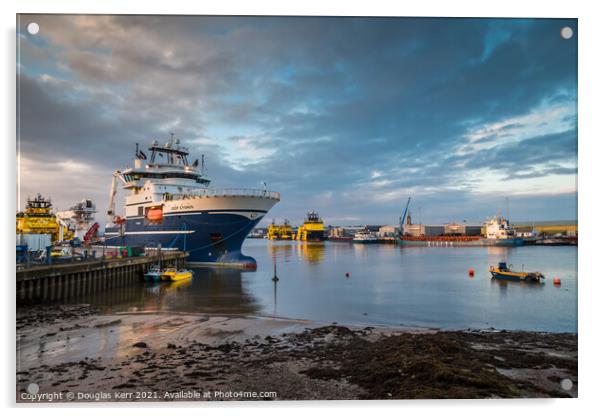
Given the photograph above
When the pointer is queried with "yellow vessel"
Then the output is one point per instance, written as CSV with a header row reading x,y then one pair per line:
x,y
174,274
504,273
39,219
312,229
280,232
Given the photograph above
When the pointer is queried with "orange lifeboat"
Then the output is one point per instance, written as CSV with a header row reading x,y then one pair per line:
x,y
155,214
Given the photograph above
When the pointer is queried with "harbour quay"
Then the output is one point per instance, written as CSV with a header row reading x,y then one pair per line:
x,y
55,282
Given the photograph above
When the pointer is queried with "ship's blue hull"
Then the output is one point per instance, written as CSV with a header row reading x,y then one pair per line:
x,y
208,236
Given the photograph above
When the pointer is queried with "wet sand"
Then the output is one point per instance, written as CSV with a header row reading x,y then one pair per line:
x,y
76,354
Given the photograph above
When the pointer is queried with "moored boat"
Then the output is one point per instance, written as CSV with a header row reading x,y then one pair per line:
x,y
153,274
174,274
312,229
365,237
504,273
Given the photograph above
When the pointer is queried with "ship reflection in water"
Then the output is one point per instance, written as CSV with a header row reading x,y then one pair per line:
x,y
219,291
373,284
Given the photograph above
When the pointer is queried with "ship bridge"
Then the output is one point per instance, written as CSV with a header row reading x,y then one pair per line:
x,y
168,161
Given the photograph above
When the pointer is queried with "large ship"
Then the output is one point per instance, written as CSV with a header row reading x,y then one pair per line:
x,y
497,232
280,232
312,229
171,204
80,218
39,219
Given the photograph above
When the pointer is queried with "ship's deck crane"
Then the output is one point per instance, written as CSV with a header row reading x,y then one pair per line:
x,y
112,194
402,219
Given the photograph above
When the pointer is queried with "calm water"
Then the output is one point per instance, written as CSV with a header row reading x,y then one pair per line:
x,y
387,285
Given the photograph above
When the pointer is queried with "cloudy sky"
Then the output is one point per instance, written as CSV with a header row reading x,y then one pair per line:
x,y
348,116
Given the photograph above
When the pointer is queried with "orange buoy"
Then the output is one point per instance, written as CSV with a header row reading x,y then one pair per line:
x,y
556,281
471,272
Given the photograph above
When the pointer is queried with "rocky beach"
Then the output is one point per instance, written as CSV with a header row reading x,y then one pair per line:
x,y
73,353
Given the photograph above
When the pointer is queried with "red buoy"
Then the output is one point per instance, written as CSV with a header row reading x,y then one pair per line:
x,y
556,281
471,272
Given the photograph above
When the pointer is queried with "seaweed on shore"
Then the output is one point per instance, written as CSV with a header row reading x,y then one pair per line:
x,y
433,366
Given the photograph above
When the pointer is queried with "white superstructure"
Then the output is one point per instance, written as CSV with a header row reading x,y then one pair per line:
x,y
498,228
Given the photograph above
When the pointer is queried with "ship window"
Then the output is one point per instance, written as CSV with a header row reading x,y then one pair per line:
x,y
140,210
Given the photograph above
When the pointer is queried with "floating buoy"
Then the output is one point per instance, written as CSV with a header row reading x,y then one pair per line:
x,y
471,272
347,274
556,281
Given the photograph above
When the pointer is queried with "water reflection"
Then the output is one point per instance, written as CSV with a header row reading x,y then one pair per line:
x,y
423,286
311,253
281,249
209,291
504,284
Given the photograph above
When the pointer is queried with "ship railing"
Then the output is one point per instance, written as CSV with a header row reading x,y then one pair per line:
x,y
224,192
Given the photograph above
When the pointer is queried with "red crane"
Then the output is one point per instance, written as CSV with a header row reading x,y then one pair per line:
x,y
91,232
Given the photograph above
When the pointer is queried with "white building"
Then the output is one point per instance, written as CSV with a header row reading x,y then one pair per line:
x,y
388,231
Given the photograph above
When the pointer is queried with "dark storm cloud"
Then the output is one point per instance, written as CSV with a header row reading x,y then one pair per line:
x,y
327,110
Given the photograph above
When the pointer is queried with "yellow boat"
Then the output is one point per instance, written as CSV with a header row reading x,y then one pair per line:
x,y
312,229
174,274
504,273
39,219
280,232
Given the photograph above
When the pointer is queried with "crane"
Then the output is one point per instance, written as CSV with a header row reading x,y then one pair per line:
x,y
403,217
91,232
113,192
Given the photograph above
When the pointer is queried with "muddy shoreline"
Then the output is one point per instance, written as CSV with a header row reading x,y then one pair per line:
x,y
72,353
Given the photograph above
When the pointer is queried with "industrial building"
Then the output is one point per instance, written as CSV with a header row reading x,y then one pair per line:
x,y
548,228
419,230
388,231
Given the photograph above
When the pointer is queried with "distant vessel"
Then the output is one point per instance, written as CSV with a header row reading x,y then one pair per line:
x,y
504,273
280,232
499,232
80,218
364,237
312,229
171,204
39,219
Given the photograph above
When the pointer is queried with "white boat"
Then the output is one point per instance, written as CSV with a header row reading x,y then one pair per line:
x,y
364,237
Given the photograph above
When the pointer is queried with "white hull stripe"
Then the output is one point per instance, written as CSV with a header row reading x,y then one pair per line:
x,y
155,232
241,213
171,214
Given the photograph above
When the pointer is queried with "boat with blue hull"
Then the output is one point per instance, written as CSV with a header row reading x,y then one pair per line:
x,y
171,205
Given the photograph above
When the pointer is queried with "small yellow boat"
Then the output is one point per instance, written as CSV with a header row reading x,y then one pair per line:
x,y
504,273
174,274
